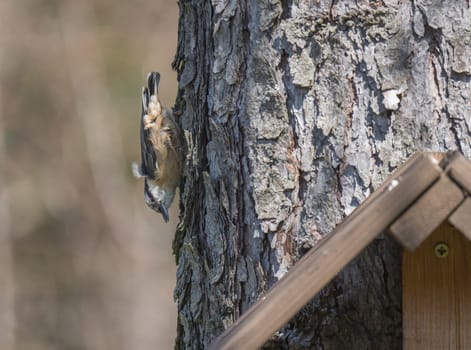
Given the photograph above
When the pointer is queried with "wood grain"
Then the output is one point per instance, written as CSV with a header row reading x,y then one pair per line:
x,y
461,218
459,169
413,227
437,293
323,262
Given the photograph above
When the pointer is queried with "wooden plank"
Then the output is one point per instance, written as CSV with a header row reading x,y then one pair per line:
x,y
395,178
437,293
459,169
461,218
415,225
462,288
324,261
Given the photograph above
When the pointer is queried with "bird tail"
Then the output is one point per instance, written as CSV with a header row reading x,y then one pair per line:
x,y
153,80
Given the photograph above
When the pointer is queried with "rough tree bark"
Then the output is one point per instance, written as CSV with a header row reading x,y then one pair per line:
x,y
293,113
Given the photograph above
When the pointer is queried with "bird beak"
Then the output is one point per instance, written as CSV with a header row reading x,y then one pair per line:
x,y
164,211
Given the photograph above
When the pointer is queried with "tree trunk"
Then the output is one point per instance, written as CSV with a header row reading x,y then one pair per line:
x,y
293,113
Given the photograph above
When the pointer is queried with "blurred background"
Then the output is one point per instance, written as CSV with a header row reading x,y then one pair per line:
x,y
83,263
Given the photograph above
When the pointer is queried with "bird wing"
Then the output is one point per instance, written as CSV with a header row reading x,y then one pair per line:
x,y
148,156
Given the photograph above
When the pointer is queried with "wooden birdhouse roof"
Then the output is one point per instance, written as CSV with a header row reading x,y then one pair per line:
x,y
427,190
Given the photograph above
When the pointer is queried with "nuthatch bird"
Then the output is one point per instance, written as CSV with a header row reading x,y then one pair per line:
x,y
161,150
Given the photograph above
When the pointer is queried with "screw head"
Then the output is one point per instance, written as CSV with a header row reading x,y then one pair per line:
x,y
441,250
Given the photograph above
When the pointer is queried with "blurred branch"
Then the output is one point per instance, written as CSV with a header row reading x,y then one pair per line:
x,y
7,302
103,141
7,292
